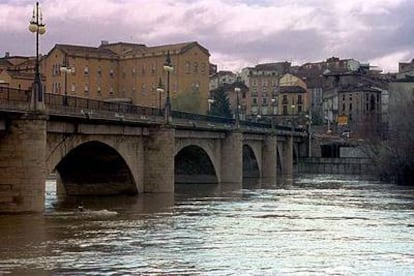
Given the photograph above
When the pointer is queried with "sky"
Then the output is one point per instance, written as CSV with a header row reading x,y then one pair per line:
x,y
237,33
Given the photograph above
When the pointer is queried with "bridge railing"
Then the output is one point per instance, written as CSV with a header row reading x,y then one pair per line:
x,y
13,95
200,117
77,103
11,98
14,99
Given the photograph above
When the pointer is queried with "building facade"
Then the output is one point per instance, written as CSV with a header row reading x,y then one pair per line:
x,y
131,73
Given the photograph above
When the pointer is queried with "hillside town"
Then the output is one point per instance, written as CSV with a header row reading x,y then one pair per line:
x,y
342,97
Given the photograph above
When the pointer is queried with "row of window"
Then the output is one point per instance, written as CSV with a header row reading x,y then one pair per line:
x,y
189,68
264,83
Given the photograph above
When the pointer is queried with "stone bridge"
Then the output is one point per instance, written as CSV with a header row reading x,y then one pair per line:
x,y
99,151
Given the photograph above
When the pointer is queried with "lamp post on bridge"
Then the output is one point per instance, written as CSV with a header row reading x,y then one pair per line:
x,y
237,91
168,68
36,26
293,117
65,68
210,102
160,90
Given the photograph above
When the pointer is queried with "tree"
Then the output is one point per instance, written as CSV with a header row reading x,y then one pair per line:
x,y
221,105
392,151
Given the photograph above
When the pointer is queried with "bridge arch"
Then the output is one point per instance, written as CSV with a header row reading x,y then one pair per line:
x,y
88,165
251,161
195,164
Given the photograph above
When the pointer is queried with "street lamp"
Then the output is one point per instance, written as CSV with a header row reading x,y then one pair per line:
x,y
237,91
65,68
168,68
210,102
36,26
309,119
160,90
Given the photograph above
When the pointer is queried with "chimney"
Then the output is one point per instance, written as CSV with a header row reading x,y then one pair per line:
x,y
104,42
7,54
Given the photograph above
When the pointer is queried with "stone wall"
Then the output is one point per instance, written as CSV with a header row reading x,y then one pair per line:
x,y
318,165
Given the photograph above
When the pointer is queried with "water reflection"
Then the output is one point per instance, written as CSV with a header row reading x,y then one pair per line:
x,y
313,225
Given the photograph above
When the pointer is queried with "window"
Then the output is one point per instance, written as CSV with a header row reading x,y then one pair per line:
x,y
300,99
299,109
111,91
203,67
264,101
86,88
99,90
111,73
143,89
285,110
153,69
350,107
99,71
255,101
86,70
195,67
187,67
73,88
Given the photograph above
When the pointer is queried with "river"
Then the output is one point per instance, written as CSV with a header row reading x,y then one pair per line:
x,y
315,225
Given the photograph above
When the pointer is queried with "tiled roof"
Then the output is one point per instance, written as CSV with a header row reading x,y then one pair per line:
x,y
163,49
86,51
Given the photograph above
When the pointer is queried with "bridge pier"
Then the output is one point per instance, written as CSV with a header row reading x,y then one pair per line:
x,y
269,156
22,165
287,155
232,158
159,152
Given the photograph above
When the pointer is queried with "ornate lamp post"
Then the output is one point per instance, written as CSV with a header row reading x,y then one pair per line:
x,y
65,68
237,91
36,26
168,68
160,90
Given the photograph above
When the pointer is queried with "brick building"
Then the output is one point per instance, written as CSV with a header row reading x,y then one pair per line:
x,y
131,72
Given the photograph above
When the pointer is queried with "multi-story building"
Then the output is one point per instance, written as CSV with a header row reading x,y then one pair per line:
x,y
353,101
293,96
132,72
17,71
313,74
263,81
221,78
405,69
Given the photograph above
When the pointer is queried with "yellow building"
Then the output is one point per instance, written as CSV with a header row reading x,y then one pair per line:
x,y
131,72
293,96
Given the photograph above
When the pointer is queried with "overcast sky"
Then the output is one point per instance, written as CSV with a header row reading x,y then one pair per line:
x,y
238,33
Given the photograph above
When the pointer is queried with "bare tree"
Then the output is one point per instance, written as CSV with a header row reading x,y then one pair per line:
x,y
392,152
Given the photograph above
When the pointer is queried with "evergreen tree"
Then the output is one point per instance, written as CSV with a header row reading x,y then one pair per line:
x,y
221,105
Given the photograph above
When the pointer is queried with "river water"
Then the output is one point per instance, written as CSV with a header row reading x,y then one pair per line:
x,y
315,225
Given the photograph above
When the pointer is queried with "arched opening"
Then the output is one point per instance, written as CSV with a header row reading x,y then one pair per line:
x,y
193,165
250,166
94,168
